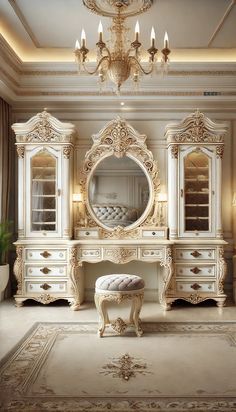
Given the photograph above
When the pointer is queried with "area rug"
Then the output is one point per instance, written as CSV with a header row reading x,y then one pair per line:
x,y
172,367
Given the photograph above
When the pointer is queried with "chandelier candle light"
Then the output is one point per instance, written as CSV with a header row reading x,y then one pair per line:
x,y
121,59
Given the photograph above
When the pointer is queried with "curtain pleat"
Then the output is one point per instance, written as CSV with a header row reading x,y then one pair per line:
x,y
8,194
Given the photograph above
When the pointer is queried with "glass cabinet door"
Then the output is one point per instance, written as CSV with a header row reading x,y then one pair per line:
x,y
197,166
43,192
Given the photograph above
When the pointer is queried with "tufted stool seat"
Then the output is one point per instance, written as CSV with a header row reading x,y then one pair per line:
x,y
117,288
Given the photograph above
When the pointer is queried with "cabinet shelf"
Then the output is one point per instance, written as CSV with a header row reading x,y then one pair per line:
x,y
197,204
33,195
196,218
43,180
196,193
43,223
44,210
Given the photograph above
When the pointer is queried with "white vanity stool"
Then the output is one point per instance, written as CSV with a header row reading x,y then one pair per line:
x,y
117,288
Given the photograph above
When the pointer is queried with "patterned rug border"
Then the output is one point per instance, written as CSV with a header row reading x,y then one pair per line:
x,y
127,404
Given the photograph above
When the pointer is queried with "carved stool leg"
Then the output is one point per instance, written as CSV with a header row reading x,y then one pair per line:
x,y
131,316
100,305
137,309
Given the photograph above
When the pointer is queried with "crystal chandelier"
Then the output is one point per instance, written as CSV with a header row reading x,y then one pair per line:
x,y
120,59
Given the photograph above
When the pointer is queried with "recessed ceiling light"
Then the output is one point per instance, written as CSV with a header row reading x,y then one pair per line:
x,y
122,103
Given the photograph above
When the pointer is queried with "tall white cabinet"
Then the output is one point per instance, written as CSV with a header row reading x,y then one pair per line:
x,y
45,181
195,150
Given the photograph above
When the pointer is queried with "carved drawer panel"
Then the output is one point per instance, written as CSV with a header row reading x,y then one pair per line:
x,y
90,253
195,270
46,254
195,254
46,271
120,254
50,287
195,286
151,253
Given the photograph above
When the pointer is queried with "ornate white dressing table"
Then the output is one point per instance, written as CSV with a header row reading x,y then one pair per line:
x,y
120,218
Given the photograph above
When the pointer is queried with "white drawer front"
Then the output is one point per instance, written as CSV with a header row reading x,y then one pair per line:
x,y
198,270
195,254
151,253
46,254
46,271
83,233
49,287
91,253
195,286
154,233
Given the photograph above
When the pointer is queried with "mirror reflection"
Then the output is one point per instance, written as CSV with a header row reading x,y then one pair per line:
x,y
118,191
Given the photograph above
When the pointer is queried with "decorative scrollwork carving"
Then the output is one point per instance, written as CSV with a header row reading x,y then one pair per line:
x,y
222,270
74,277
120,255
196,128
167,263
45,298
20,151
43,127
18,268
219,151
67,151
174,151
119,233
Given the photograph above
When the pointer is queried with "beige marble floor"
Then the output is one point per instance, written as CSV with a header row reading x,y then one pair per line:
x,y
15,322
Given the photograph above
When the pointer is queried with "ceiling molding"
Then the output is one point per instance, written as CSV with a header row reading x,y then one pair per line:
x,y
222,21
24,22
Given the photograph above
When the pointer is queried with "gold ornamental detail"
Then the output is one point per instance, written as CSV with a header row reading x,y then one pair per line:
x,y
119,233
119,326
222,270
125,367
20,152
45,298
196,128
174,151
120,255
219,151
67,151
167,263
18,268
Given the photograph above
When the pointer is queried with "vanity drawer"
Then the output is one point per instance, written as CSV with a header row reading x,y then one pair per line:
x,y
87,233
46,254
151,253
192,270
90,253
156,233
39,287
49,270
121,254
195,254
195,286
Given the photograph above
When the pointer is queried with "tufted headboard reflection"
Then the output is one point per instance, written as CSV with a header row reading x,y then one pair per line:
x,y
113,215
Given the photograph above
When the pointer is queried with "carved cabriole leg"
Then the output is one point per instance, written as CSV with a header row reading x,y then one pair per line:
x,y
74,278
18,272
19,302
167,263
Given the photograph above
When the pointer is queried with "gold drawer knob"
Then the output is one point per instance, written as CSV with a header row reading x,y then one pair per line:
x,y
45,270
45,286
45,254
195,286
195,270
195,253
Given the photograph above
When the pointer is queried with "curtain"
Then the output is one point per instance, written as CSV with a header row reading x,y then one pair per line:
x,y
7,176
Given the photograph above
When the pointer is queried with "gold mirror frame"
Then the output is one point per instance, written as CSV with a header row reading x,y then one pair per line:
x,y
120,139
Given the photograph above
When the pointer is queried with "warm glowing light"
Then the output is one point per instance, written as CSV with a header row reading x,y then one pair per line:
x,y
76,197
100,28
137,31
77,45
162,197
83,35
166,40
153,36
122,103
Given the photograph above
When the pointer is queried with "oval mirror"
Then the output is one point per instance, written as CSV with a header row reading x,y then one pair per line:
x,y
118,192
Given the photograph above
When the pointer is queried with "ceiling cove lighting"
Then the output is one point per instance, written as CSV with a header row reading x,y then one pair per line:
x,y
120,59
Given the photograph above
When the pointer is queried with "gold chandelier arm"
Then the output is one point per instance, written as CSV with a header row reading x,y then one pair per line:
x,y
98,65
140,67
